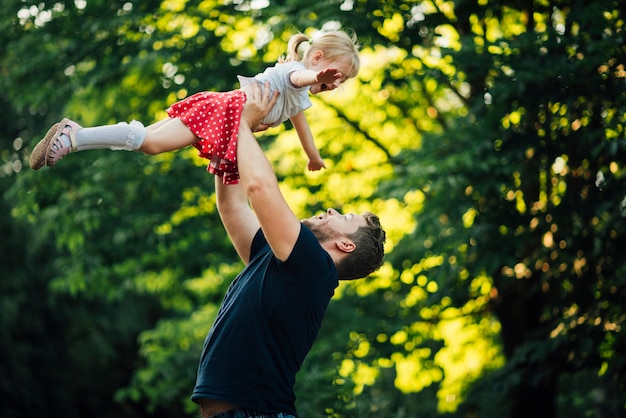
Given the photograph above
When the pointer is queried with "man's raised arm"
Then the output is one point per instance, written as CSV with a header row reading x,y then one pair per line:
x,y
280,225
239,220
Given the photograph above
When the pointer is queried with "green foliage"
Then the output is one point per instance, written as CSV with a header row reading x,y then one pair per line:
x,y
521,167
489,136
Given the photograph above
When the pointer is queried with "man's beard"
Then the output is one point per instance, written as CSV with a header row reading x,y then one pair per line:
x,y
320,231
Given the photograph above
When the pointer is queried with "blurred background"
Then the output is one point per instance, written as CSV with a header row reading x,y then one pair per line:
x,y
488,135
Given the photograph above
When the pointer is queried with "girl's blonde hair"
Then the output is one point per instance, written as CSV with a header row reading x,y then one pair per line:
x,y
336,45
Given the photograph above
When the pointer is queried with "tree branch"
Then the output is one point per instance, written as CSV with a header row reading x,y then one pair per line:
x,y
355,125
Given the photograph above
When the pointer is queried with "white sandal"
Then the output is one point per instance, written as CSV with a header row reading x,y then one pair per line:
x,y
57,149
51,149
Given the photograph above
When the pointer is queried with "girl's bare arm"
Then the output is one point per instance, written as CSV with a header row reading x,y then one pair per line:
x,y
301,125
304,78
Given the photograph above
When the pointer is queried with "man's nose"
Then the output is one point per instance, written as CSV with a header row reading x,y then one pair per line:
x,y
332,212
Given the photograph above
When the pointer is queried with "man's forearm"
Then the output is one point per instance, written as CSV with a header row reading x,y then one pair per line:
x,y
254,169
280,225
256,174
253,165
229,196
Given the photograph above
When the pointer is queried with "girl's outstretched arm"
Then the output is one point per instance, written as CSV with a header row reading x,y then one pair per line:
x,y
308,144
305,78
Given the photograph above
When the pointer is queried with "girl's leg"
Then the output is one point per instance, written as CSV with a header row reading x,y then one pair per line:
x,y
68,136
167,135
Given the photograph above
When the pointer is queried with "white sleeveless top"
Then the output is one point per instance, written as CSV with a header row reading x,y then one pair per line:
x,y
291,100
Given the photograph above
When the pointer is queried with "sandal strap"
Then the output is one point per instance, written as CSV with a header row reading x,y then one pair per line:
x,y
72,136
65,127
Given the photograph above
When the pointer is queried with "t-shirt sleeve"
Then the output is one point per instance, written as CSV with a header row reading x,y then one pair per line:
x,y
246,81
308,261
288,68
258,243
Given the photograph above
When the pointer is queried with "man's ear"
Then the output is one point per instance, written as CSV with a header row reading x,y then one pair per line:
x,y
345,245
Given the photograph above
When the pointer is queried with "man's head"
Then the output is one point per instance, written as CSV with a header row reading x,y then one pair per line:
x,y
354,241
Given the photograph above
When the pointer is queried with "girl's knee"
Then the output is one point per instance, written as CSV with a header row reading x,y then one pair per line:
x,y
150,147
167,135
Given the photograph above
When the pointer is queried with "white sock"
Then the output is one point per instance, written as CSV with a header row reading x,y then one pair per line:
x,y
121,136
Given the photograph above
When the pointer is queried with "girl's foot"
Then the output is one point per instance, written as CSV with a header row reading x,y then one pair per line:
x,y
63,142
59,141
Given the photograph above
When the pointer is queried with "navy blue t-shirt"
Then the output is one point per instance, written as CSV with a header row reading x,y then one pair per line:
x,y
266,325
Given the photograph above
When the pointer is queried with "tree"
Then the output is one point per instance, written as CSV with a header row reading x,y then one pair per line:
x,y
92,261
488,136
518,195
517,225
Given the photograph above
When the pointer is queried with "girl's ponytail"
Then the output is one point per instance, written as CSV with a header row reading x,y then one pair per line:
x,y
297,47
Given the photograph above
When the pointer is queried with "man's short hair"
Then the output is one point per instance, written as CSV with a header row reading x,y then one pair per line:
x,y
369,252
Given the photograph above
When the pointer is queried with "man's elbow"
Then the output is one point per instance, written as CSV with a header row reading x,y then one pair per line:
x,y
260,186
226,204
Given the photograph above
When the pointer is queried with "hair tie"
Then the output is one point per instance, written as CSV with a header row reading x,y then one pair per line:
x,y
303,47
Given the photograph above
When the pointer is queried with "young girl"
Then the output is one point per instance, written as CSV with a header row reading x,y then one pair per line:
x,y
210,120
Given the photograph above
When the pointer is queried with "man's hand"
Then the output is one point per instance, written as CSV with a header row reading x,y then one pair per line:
x,y
258,105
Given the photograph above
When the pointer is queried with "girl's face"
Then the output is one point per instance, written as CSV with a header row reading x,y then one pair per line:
x,y
318,63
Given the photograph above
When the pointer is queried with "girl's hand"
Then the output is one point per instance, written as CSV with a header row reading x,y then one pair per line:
x,y
328,76
316,164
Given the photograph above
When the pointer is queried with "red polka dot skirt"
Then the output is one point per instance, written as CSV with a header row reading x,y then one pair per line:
x,y
214,118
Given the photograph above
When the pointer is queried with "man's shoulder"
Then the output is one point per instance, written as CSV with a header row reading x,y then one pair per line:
x,y
309,252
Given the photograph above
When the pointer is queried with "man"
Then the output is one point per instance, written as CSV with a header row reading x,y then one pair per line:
x,y
273,310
